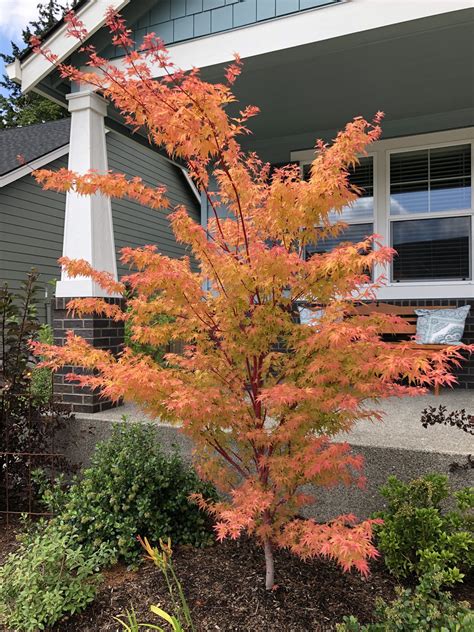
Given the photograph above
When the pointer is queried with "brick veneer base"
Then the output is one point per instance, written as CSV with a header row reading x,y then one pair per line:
x,y
102,333
464,374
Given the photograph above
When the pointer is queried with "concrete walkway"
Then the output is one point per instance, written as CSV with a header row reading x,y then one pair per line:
x,y
397,446
401,428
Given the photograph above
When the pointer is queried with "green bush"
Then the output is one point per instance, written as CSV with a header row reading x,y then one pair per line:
x,y
427,608
41,377
417,535
48,576
132,488
157,353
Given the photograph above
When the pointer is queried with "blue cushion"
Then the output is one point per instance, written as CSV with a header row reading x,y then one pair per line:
x,y
440,326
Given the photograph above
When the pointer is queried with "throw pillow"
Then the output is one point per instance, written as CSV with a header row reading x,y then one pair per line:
x,y
440,326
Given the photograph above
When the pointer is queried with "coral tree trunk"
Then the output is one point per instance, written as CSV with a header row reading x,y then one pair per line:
x,y
269,565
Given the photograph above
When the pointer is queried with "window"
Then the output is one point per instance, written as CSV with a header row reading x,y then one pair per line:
x,y
432,248
359,215
431,213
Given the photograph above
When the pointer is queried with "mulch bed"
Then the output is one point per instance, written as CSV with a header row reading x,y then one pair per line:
x,y
224,585
8,541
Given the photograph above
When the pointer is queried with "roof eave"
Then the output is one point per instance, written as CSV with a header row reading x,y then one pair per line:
x,y
30,71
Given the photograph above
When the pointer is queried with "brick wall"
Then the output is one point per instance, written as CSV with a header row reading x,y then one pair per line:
x,y
102,333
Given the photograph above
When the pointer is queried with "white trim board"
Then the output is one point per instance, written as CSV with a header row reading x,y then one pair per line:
x,y
305,27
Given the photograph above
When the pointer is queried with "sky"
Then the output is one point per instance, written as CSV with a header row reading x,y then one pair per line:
x,y
14,16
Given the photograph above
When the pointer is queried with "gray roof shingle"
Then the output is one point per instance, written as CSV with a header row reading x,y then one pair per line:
x,y
31,142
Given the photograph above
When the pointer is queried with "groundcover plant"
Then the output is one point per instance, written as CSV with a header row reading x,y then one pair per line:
x,y
260,394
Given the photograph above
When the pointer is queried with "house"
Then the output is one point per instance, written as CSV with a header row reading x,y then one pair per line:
x,y
32,220
310,65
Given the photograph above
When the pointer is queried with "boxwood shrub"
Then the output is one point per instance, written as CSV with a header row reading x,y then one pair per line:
x,y
133,488
418,534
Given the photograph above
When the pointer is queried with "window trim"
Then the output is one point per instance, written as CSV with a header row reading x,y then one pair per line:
x,y
390,219
424,289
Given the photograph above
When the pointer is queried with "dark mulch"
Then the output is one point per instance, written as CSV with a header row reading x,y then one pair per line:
x,y
225,588
8,541
224,585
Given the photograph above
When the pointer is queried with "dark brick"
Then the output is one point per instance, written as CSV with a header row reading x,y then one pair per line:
x,y
63,388
72,398
101,333
465,374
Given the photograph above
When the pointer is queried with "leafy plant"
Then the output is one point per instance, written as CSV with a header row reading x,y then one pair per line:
x,y
181,620
42,377
19,324
260,394
155,352
130,623
426,608
431,416
131,487
417,535
50,575
27,424
162,559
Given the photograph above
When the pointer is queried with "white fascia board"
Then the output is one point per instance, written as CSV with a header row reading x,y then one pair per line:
x,y
25,170
298,29
36,67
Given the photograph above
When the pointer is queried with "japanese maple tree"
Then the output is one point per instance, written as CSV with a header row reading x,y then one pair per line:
x,y
261,395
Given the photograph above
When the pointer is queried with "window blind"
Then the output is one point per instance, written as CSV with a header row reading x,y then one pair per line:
x,y
430,180
432,249
352,234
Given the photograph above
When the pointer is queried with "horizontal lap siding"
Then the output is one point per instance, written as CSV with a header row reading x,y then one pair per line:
x,y
31,230
136,225
32,220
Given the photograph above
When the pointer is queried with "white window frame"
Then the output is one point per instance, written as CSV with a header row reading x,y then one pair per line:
x,y
381,151
391,219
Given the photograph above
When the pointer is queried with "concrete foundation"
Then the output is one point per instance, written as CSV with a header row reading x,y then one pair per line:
x,y
398,446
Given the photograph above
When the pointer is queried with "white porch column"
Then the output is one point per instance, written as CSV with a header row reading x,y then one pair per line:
x,y
88,228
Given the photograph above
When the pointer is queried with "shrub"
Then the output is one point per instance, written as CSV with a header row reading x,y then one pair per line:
x,y
133,488
49,576
426,608
417,535
28,424
42,377
430,416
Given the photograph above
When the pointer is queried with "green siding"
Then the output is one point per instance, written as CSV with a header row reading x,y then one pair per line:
x,y
136,225
32,220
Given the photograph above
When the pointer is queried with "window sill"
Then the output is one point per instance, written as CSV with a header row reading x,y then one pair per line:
x,y
427,290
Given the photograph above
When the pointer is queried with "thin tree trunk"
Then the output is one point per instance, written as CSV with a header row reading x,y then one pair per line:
x,y
269,565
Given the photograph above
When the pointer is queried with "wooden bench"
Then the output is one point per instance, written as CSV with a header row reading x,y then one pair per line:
x,y
407,330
